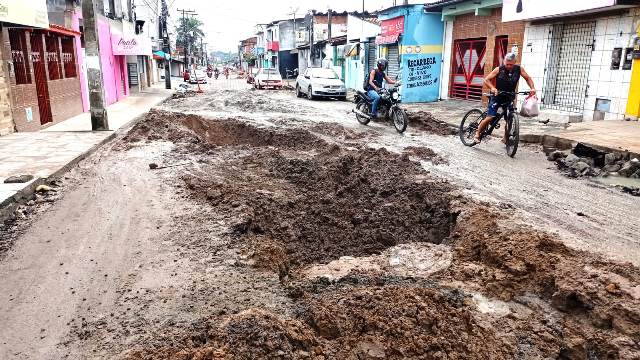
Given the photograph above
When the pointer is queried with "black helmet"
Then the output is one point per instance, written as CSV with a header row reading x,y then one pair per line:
x,y
382,63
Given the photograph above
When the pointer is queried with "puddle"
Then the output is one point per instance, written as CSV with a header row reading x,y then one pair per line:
x,y
617,181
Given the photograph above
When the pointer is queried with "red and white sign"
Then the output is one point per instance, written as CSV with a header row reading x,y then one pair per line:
x,y
536,9
393,26
130,45
387,39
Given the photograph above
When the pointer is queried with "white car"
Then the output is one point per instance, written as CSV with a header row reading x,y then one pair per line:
x,y
268,78
320,82
198,77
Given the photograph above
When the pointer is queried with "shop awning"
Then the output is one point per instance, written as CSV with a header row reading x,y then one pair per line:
x,y
387,39
160,55
63,30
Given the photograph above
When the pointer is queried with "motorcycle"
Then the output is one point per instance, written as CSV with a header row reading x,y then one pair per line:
x,y
209,74
388,108
216,74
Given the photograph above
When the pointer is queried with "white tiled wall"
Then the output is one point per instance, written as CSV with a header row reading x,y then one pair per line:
x,y
611,32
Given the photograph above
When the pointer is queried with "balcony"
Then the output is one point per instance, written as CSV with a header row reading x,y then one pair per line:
x,y
273,46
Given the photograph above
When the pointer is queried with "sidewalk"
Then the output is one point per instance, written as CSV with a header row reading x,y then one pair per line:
x,y
609,136
52,151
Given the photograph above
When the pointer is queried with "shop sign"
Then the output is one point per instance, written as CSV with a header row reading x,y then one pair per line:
x,y
387,39
25,12
130,45
513,10
392,27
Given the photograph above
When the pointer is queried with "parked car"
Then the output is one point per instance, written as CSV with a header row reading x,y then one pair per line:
x,y
251,75
320,82
268,78
198,77
186,74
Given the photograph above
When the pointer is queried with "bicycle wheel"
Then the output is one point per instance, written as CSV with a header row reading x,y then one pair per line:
x,y
469,126
513,129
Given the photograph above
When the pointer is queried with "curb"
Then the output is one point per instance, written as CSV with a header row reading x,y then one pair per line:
x,y
8,206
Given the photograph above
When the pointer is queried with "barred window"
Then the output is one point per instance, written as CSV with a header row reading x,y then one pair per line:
x,y
19,56
68,57
53,57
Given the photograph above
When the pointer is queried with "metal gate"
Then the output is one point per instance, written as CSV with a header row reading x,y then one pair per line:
x,y
467,75
567,66
501,50
371,56
393,55
40,72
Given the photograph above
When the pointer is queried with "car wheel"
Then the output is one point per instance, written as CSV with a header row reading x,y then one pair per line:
x,y
310,93
342,98
298,92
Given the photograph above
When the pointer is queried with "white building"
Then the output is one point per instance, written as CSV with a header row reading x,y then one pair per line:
x,y
579,55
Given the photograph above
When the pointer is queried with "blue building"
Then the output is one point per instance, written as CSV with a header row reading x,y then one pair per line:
x,y
411,40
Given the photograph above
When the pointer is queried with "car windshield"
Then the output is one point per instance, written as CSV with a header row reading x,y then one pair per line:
x,y
323,74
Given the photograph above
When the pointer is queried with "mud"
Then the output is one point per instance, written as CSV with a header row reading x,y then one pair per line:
x,y
427,122
425,153
350,234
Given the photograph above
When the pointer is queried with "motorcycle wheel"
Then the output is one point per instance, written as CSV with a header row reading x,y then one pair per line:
x,y
362,107
400,120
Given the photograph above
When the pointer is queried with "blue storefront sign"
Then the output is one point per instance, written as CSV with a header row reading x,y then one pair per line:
x,y
420,48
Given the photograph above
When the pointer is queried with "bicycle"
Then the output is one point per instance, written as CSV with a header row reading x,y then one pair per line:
x,y
472,119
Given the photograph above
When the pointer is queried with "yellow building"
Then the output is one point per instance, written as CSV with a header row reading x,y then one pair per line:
x,y
633,104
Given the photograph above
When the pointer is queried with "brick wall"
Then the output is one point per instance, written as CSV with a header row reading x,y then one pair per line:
x,y
470,26
64,95
6,120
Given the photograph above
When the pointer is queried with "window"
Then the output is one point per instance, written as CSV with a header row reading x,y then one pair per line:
x,y
19,56
68,57
53,57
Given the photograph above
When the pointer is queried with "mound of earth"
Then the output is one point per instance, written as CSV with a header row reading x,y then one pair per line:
x,y
426,121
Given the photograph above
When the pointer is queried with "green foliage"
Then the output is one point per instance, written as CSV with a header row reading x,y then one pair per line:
x,y
189,31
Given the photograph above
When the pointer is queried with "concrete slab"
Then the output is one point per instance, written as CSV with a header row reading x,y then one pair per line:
x,y
48,152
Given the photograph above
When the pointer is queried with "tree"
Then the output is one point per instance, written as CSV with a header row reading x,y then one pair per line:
x,y
189,31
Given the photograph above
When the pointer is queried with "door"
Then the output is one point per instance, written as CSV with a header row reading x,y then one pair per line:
x,y
501,50
393,55
371,57
568,64
40,73
467,74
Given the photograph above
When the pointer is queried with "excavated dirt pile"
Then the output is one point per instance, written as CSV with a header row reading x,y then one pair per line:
x,y
293,202
427,122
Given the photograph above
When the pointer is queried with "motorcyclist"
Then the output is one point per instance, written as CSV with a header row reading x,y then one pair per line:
x,y
226,72
376,77
216,72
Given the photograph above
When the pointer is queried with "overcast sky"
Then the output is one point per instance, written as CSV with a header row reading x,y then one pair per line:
x,y
228,22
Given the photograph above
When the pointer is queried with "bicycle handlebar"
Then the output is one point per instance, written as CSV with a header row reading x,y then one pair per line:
x,y
507,93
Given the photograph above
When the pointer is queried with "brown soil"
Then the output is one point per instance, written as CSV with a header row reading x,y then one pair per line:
x,y
425,153
292,201
426,121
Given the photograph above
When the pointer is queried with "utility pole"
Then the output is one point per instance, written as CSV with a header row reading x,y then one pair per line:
x,y
201,52
329,27
99,118
184,33
166,46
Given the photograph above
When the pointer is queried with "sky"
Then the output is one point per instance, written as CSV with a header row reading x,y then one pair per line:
x,y
228,22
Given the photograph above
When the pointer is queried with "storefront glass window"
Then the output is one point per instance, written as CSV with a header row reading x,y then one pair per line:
x,y
19,56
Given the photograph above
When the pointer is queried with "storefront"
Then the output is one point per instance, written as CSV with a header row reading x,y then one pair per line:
x,y
18,97
137,50
476,41
44,76
582,64
412,42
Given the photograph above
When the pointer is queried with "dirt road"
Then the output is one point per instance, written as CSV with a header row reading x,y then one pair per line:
x,y
275,227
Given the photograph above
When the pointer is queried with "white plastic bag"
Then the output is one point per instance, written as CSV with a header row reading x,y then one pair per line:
x,y
530,107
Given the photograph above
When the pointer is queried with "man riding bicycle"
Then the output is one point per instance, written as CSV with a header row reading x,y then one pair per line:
x,y
507,77
376,76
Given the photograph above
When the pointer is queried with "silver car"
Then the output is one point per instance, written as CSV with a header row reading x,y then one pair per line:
x,y
320,82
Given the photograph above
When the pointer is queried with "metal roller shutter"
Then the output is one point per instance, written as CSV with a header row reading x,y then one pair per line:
x,y
393,55
371,56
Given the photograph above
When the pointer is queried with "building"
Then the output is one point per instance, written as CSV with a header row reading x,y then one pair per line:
x,y
580,55
287,46
246,53
475,42
411,40
44,76
316,39
147,25
360,51
633,103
